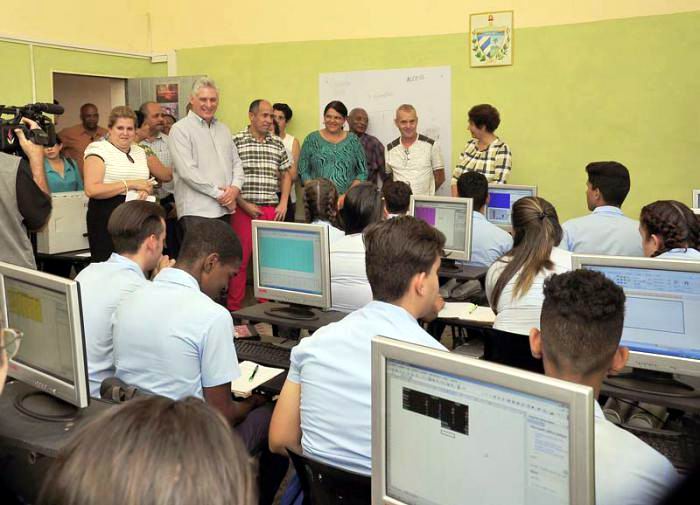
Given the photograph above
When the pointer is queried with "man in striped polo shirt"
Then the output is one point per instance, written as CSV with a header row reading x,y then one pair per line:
x,y
266,164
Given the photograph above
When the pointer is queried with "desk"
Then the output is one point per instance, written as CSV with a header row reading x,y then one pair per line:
x,y
41,437
463,272
257,313
78,259
688,404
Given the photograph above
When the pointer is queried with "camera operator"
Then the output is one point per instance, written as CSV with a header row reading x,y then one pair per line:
x,y
25,199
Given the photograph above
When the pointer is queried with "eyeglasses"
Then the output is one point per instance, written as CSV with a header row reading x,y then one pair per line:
x,y
9,343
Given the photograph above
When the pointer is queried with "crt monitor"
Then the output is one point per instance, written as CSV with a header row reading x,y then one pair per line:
x,y
450,429
696,198
51,357
452,216
501,200
662,319
291,263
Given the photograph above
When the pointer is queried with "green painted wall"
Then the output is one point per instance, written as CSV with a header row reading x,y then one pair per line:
x,y
624,90
16,78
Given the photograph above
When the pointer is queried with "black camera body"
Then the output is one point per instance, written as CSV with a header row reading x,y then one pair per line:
x,y
45,135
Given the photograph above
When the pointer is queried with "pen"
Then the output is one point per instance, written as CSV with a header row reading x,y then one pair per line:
x,y
252,376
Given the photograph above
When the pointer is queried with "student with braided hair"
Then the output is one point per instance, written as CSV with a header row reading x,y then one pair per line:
x,y
670,230
321,206
514,282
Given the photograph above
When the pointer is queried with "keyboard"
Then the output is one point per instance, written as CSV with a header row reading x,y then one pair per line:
x,y
263,353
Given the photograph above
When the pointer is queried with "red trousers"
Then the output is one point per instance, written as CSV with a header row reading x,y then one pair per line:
x,y
242,226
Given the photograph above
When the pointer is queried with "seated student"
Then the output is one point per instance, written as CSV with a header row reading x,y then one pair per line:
x,y
349,286
670,230
137,229
321,206
152,450
580,330
172,339
489,242
514,281
325,404
397,198
606,230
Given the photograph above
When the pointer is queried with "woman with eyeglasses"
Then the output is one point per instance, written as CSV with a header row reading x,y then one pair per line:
x,y
9,345
113,167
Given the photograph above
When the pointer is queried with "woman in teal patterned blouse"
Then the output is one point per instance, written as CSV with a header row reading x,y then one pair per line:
x,y
332,152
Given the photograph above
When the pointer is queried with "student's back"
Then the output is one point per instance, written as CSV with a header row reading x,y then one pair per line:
x,y
606,230
578,341
514,282
350,288
171,339
137,229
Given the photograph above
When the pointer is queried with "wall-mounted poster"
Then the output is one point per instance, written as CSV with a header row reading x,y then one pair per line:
x,y
491,39
166,93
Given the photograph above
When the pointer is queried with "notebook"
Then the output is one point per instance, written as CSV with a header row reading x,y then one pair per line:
x,y
244,386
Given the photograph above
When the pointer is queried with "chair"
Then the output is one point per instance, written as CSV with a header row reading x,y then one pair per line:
x,y
510,349
324,485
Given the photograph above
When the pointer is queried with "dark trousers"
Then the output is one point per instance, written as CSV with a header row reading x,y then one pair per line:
x,y
273,467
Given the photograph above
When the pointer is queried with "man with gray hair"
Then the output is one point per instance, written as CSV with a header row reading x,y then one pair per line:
x,y
208,171
414,158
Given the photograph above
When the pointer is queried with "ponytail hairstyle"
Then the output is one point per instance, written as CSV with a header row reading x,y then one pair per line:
x,y
321,202
536,231
673,222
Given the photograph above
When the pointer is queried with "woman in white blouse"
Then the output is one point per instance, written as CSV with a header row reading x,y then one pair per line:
x,y
113,167
514,282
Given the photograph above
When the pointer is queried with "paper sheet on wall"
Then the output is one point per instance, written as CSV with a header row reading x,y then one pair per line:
x,y
380,92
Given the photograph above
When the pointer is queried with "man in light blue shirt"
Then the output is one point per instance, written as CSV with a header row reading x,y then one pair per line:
x,y
489,242
325,405
606,230
172,339
578,340
138,231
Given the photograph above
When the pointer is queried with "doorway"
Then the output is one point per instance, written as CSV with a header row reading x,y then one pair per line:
x,y
73,90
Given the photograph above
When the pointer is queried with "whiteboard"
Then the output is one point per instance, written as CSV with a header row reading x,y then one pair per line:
x,y
380,92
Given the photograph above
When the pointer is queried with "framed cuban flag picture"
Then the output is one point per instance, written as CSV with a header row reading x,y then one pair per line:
x,y
491,39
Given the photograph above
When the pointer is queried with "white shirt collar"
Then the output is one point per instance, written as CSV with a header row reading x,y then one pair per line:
x,y
608,209
174,275
131,264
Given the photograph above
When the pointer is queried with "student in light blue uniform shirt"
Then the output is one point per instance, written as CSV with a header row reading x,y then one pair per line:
x,y
606,230
670,230
172,339
578,338
137,229
489,242
325,405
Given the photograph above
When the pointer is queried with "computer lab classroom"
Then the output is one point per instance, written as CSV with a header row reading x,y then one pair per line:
x,y
387,252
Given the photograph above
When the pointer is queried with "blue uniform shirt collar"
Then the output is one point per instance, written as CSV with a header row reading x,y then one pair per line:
x,y
478,215
174,275
396,311
608,209
129,263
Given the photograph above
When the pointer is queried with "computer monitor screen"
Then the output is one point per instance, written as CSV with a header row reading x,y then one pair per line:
x,y
662,310
696,198
291,263
482,425
501,200
46,309
452,216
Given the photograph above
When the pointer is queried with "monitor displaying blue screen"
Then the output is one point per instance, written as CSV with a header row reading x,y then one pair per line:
x,y
290,260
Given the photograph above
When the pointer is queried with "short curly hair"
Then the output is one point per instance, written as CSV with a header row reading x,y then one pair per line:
x,y
673,222
485,115
581,321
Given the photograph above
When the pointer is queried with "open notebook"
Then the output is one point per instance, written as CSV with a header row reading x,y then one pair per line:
x,y
244,386
467,312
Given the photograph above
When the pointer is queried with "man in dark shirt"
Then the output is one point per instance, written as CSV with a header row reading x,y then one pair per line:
x,y
25,200
374,149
